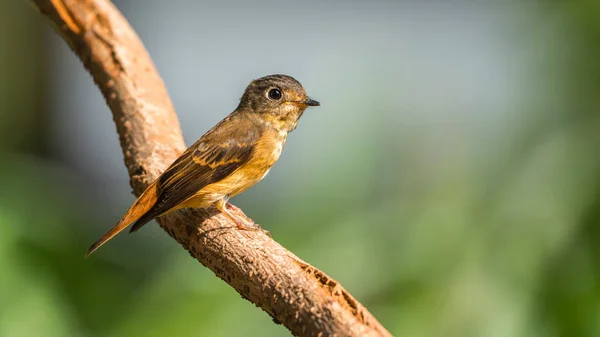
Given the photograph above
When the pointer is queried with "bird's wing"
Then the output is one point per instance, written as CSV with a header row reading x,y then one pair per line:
x,y
213,157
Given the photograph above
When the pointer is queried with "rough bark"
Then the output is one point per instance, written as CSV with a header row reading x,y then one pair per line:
x,y
295,294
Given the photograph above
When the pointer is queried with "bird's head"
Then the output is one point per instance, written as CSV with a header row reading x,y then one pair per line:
x,y
276,100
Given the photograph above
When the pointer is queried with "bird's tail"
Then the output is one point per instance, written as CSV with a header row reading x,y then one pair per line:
x,y
140,207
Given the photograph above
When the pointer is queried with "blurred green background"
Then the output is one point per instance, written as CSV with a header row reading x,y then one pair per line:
x,y
450,181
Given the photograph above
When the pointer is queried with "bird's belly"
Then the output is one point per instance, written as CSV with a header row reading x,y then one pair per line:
x,y
238,182
265,156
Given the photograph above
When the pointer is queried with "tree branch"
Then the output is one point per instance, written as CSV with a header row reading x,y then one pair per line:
x,y
299,296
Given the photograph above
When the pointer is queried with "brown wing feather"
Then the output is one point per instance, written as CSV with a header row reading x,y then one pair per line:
x,y
213,157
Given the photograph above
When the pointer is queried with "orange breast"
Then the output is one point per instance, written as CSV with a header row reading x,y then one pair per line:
x,y
265,154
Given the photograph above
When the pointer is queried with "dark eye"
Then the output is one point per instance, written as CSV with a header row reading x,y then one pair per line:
x,y
275,94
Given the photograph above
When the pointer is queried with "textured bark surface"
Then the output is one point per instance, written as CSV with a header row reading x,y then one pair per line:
x,y
295,294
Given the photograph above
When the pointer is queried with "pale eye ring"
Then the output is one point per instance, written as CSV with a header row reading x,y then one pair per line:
x,y
274,94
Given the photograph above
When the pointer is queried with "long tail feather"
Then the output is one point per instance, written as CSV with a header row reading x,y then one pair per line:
x,y
139,208
142,221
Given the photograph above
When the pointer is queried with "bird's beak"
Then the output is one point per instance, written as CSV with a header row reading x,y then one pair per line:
x,y
311,102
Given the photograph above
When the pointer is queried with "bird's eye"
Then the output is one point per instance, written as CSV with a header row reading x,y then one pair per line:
x,y
275,94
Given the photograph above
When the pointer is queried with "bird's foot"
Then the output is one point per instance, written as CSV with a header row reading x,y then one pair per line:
x,y
257,227
233,207
249,224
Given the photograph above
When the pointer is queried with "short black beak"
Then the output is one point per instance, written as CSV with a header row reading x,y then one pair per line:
x,y
311,102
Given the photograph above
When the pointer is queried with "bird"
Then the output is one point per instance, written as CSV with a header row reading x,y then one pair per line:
x,y
228,159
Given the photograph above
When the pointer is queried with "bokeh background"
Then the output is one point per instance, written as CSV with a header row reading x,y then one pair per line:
x,y
450,181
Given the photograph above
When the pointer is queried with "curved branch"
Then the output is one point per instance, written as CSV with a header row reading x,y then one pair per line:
x,y
299,296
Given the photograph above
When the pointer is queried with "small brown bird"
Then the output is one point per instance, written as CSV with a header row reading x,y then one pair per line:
x,y
227,160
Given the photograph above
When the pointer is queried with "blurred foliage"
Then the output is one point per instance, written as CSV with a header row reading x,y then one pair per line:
x,y
495,234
